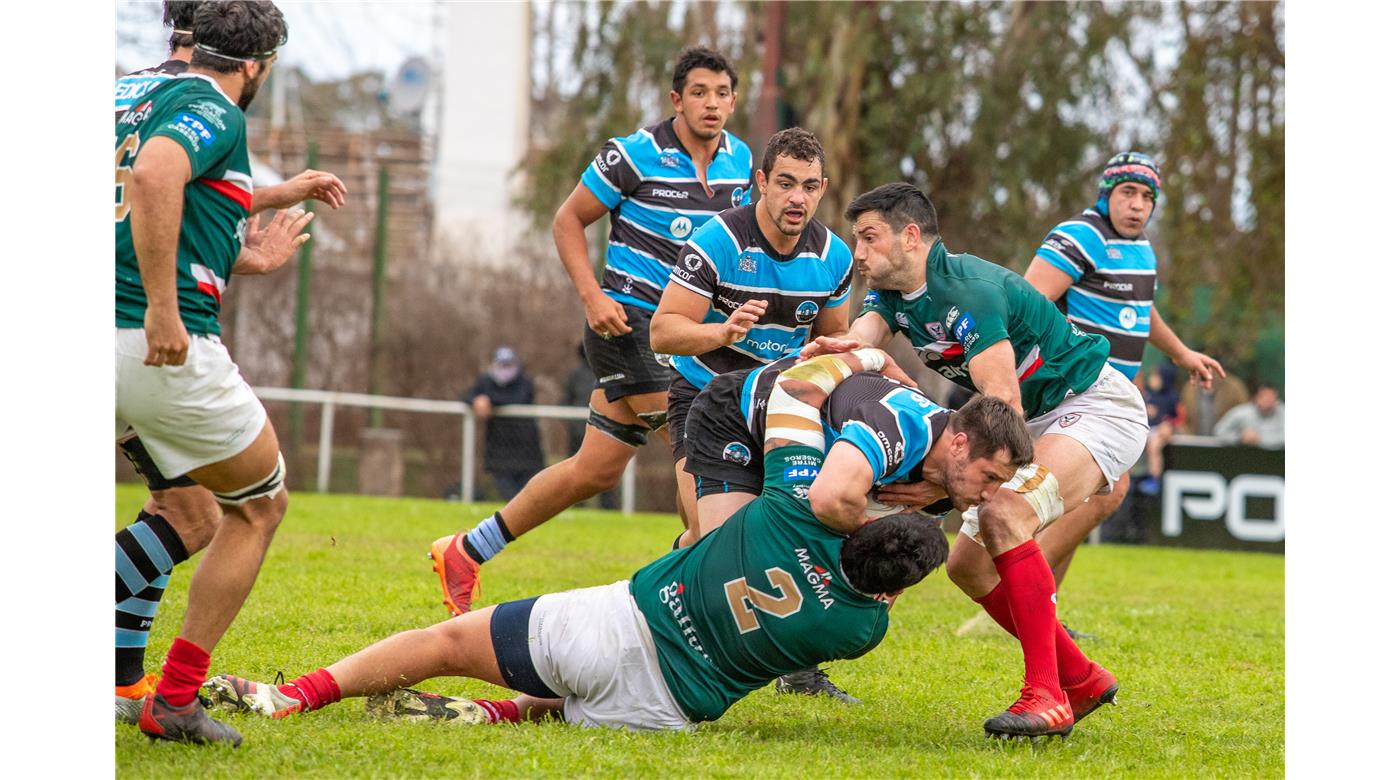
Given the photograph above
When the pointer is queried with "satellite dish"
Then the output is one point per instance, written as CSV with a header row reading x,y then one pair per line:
x,y
409,89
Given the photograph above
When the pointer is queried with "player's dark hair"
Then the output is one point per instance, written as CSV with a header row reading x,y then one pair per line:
x,y
706,59
898,204
893,552
796,143
178,15
236,30
992,425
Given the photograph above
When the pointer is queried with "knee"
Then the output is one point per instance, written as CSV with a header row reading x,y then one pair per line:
x,y
598,475
264,514
1005,522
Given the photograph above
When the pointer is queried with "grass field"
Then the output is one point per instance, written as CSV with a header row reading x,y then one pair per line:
x,y
1195,638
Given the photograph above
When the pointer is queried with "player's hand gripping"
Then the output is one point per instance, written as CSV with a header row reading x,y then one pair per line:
x,y
827,345
606,317
268,249
167,341
737,326
1200,365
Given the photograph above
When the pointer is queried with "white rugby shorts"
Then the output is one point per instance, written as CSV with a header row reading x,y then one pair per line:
x,y
593,648
1109,418
188,416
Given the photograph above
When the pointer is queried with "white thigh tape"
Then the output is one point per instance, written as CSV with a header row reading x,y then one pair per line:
x,y
1041,490
264,488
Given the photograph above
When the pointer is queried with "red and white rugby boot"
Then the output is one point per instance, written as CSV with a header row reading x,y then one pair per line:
x,y
242,695
458,574
1033,715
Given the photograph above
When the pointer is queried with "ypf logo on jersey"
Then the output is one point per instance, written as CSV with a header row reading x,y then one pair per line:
x,y
680,227
964,326
871,298
736,197
736,452
807,311
193,129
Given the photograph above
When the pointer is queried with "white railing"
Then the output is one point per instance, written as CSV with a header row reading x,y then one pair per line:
x,y
330,399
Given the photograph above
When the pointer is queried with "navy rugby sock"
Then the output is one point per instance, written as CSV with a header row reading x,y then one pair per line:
x,y
488,538
146,552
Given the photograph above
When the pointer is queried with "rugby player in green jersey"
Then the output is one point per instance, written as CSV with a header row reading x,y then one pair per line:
x,y
771,591
986,329
180,517
183,195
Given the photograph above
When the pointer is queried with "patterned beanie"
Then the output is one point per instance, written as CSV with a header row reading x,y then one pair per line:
x,y
1128,166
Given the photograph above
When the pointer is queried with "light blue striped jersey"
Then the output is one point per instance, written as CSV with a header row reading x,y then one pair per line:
x,y
893,426
730,262
1115,279
133,86
650,184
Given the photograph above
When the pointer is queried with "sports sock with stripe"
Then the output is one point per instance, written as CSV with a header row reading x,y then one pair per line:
x,y
1030,594
146,552
488,538
500,711
314,690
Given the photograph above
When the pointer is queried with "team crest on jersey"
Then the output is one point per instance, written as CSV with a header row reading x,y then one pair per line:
x,y
1127,317
1069,419
736,452
952,315
736,197
670,158
1114,254
747,264
680,227
937,331
807,311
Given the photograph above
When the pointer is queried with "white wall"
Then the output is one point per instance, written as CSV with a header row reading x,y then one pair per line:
x,y
484,131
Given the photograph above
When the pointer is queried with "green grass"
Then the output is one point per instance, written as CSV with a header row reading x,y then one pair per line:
x,y
1195,638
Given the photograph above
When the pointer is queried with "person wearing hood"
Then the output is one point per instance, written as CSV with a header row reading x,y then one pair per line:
x,y
1099,269
512,443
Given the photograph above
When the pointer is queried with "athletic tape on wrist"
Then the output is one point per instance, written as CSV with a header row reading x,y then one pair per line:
x,y
870,359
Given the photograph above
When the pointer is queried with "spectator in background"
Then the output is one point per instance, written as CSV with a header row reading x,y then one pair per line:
x,y
1258,423
577,390
1164,415
512,443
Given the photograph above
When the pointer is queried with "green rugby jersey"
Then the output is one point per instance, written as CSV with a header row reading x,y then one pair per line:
x,y
192,110
968,304
759,597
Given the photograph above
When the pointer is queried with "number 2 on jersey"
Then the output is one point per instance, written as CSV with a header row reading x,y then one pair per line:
x,y
124,174
743,600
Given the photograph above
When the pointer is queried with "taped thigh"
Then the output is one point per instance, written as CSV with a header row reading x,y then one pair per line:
x,y
631,435
267,487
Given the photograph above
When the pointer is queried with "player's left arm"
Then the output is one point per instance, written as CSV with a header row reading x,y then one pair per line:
x,y
1199,364
1050,281
267,249
307,185
833,322
993,371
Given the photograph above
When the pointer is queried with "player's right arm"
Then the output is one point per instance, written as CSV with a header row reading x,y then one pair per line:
x,y
993,371
1049,280
838,495
582,208
157,197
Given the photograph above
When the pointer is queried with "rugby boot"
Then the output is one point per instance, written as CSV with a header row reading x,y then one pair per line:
x,y
1098,689
1033,715
190,723
458,574
235,693
409,704
131,697
813,682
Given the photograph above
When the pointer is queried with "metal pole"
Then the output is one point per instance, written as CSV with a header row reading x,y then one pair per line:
x,y
323,451
303,306
468,456
629,487
381,243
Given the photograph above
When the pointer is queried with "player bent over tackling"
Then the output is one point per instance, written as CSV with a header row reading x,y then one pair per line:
x,y
771,591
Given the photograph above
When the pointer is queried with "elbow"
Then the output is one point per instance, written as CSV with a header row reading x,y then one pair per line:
x,y
661,341
835,511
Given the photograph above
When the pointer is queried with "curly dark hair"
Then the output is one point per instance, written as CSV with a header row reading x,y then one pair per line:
x,y
796,143
179,15
898,204
701,57
893,552
241,29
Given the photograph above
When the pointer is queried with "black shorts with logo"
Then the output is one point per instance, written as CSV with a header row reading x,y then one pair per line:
x,y
625,365
719,447
678,400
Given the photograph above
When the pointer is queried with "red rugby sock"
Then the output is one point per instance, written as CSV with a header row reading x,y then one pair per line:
x,y
501,711
186,666
1030,596
1070,661
314,690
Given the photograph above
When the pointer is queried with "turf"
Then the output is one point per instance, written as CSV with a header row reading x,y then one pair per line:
x,y
1196,639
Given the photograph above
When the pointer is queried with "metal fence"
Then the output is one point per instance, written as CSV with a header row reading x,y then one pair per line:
x,y
329,400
